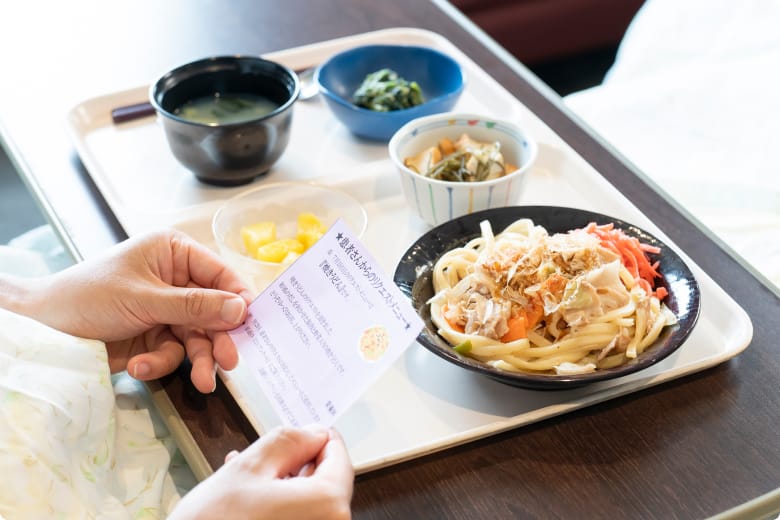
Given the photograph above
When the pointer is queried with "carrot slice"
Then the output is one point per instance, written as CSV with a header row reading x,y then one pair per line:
x,y
452,324
534,313
517,329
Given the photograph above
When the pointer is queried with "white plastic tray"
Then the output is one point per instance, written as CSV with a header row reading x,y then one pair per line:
x,y
422,404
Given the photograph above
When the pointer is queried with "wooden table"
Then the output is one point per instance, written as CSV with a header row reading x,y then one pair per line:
x,y
687,449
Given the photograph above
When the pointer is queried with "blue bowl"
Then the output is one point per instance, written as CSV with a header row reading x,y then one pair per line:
x,y
441,80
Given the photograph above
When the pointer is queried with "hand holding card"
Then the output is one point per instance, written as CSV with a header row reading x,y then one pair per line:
x,y
325,330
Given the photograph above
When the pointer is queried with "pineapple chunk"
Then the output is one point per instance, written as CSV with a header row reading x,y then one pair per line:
x,y
291,257
278,250
310,229
258,234
262,243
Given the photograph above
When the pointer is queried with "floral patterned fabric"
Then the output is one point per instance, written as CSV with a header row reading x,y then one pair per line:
x,y
75,442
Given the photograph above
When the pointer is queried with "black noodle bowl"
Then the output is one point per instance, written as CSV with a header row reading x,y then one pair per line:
x,y
413,275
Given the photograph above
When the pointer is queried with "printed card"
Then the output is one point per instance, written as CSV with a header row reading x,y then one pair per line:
x,y
325,330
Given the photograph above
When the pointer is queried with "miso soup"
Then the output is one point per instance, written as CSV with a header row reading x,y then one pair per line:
x,y
226,108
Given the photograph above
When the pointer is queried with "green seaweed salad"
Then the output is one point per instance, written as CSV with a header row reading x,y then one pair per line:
x,y
384,90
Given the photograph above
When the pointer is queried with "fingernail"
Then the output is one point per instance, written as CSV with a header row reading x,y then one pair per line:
x,y
316,429
231,455
306,470
141,370
214,378
232,310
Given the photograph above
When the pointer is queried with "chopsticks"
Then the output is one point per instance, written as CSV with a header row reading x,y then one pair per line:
x,y
131,112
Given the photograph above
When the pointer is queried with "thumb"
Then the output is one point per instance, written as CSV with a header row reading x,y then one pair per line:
x,y
284,451
204,308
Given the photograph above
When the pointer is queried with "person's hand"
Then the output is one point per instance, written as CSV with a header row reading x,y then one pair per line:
x,y
288,473
149,299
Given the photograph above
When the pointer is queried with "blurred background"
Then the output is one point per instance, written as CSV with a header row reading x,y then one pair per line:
x,y
19,211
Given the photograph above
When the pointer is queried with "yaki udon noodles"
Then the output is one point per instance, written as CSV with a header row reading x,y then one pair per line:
x,y
564,304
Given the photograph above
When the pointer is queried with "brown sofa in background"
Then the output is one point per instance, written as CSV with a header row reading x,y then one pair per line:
x,y
538,31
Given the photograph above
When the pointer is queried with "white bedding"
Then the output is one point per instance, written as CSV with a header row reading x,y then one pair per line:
x,y
692,100
75,442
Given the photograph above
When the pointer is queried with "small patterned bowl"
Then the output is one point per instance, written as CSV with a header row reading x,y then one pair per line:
x,y
437,201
